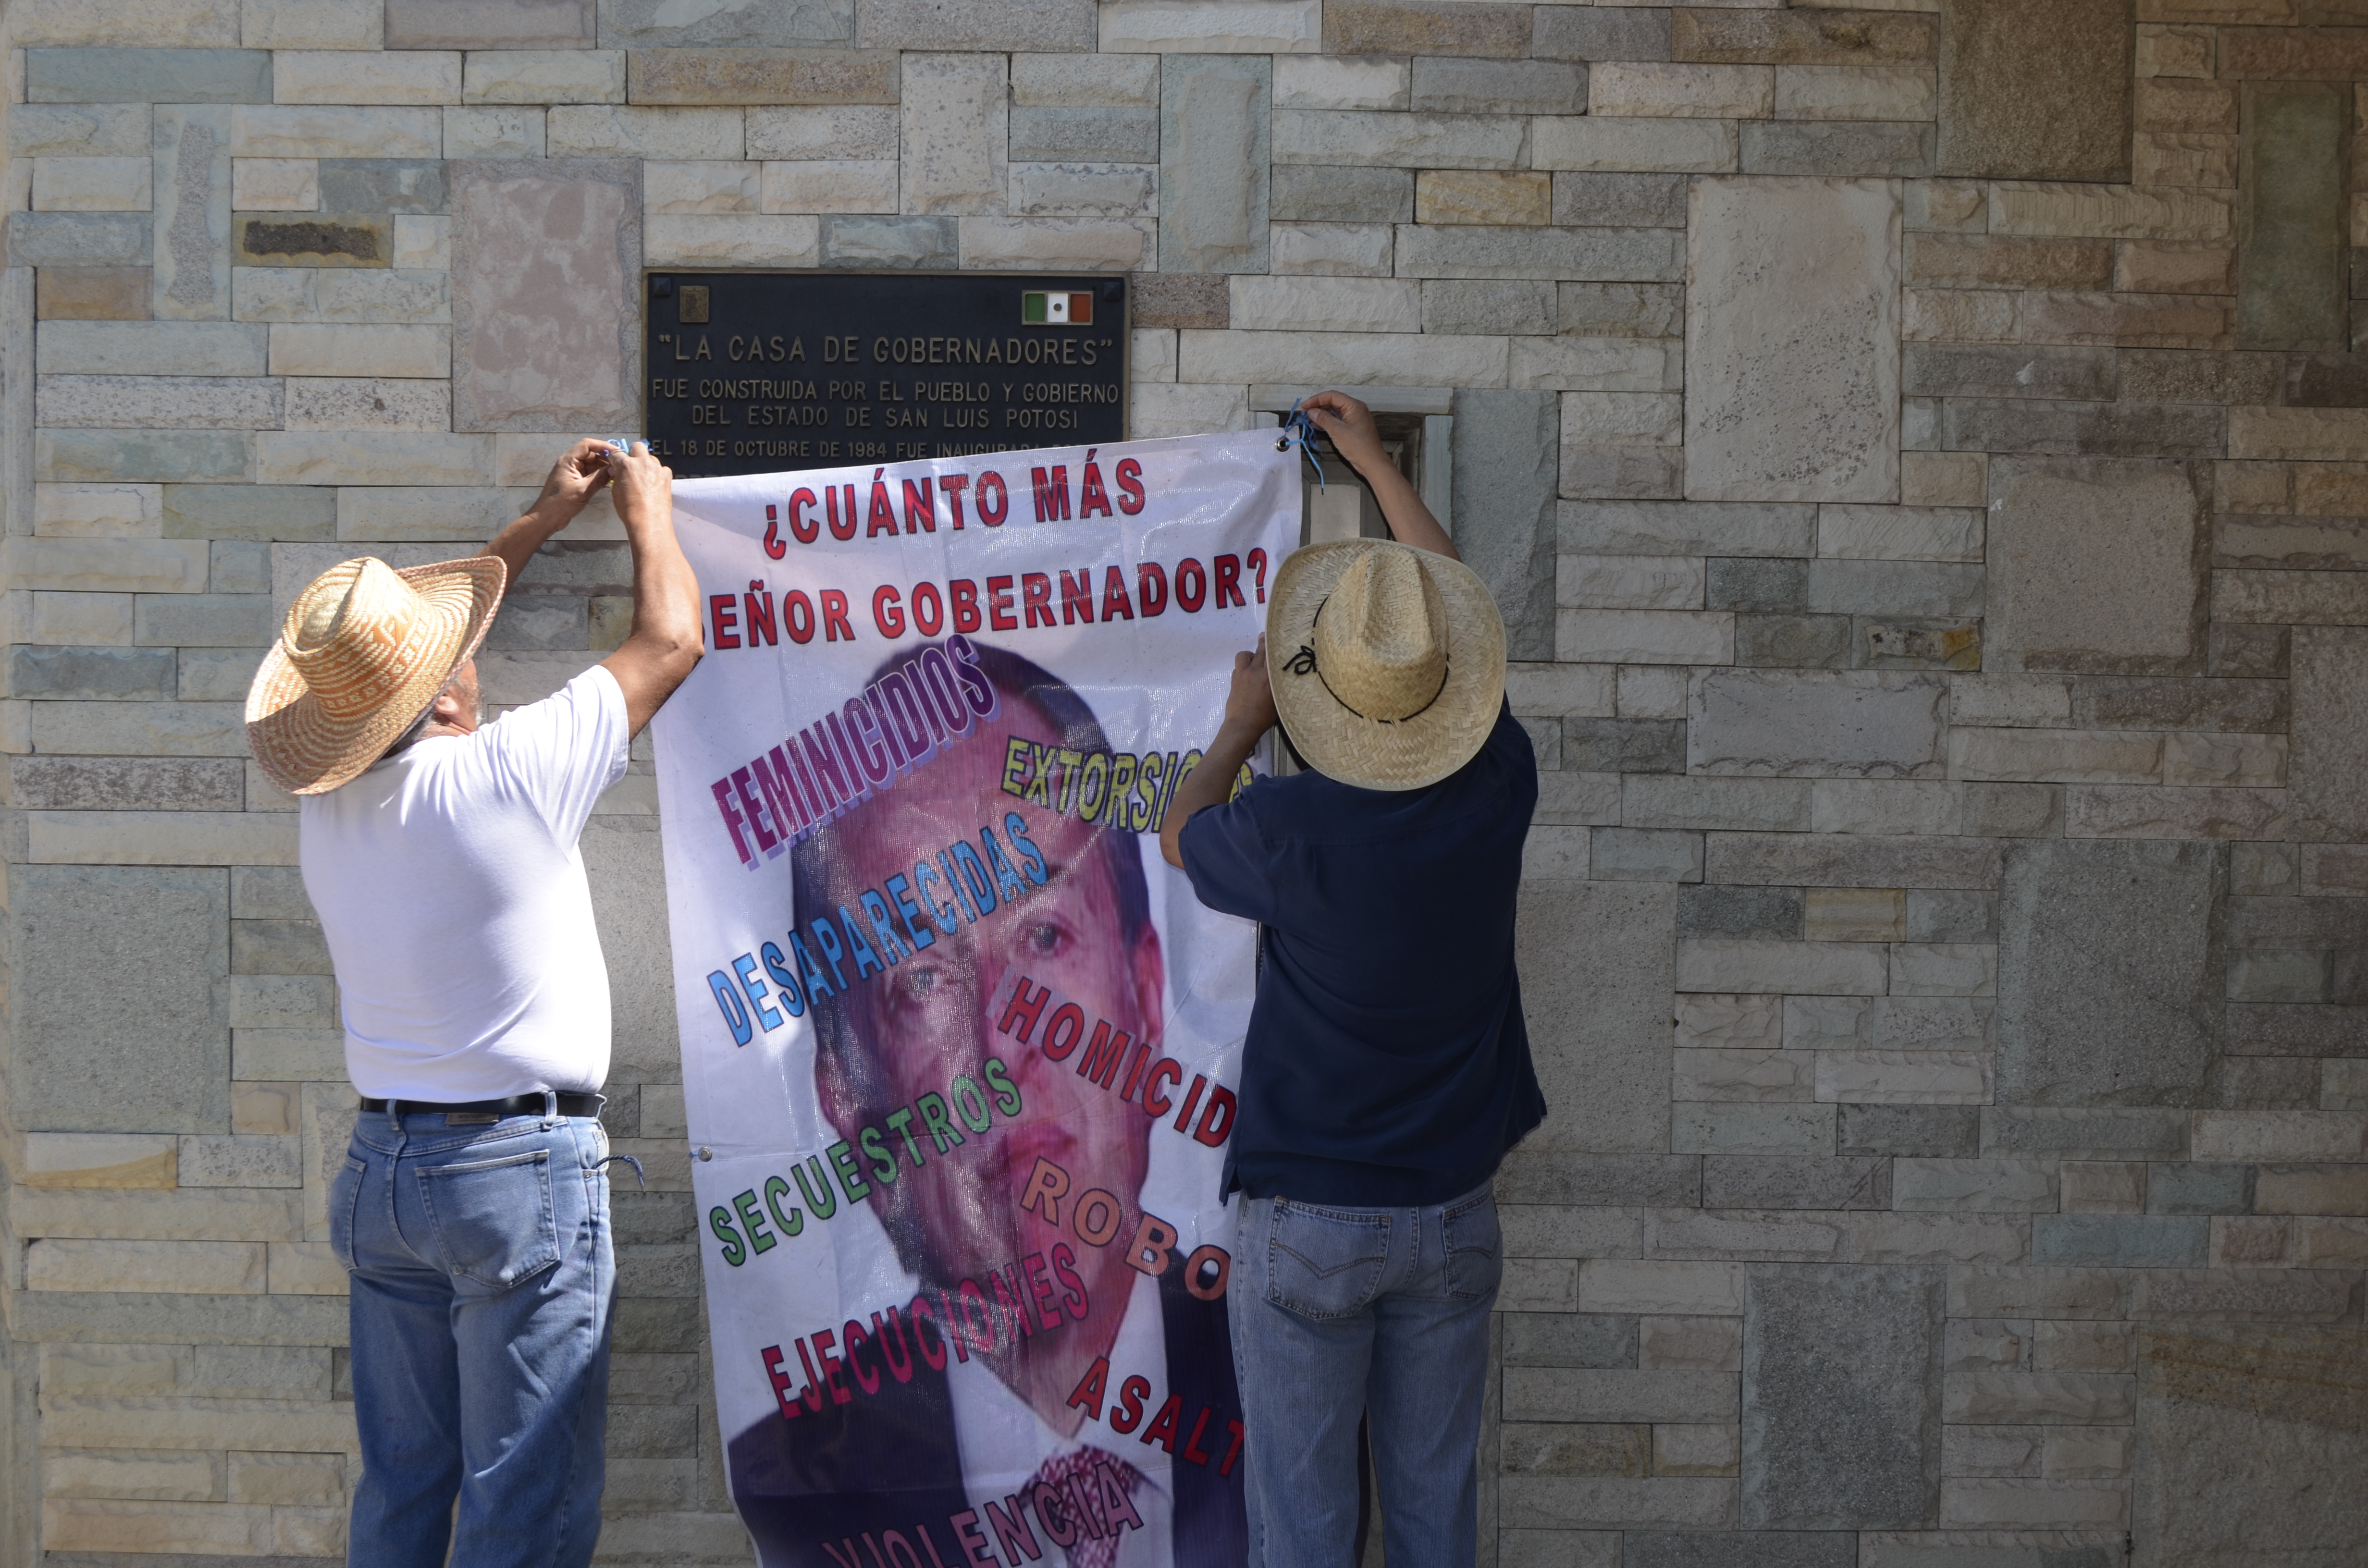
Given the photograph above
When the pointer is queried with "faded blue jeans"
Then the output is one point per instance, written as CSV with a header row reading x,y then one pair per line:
x,y
483,1278
1337,1312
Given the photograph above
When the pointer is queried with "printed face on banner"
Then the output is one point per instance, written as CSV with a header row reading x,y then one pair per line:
x,y
959,1043
1086,934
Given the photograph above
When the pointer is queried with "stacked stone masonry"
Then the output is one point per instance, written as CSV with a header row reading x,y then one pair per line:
x,y
1921,455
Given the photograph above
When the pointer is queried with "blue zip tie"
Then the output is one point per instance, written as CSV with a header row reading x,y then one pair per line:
x,y
1299,424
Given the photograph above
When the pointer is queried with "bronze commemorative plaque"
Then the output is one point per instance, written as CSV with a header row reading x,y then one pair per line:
x,y
766,372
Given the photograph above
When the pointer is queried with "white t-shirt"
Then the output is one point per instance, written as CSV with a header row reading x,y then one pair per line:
x,y
452,894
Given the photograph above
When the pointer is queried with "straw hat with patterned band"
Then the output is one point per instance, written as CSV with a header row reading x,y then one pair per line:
x,y
1387,662
363,654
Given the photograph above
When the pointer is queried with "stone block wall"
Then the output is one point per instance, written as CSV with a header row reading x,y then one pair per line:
x,y
1920,454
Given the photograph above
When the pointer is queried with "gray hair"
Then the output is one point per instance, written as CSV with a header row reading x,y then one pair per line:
x,y
418,728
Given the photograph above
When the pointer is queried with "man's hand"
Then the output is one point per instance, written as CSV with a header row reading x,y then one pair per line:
x,y
567,489
1249,705
644,486
574,479
1350,425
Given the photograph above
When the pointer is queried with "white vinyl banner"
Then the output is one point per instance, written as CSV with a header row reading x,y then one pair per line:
x,y
959,1047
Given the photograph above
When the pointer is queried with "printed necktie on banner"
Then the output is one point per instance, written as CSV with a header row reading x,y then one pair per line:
x,y
1068,1482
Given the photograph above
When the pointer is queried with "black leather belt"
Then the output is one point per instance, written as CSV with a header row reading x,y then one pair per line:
x,y
517,1105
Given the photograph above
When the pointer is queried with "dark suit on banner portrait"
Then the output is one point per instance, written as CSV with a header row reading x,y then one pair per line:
x,y
891,1460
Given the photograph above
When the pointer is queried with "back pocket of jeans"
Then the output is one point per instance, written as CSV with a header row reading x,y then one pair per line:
x,y
1322,1263
1475,1248
344,1197
492,1220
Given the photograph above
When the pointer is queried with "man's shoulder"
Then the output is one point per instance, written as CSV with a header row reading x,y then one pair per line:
x,y
377,786
1511,749
1276,807
592,691
1274,796
552,749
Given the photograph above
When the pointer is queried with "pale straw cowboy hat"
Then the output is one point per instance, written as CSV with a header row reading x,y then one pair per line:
x,y
363,654
1387,662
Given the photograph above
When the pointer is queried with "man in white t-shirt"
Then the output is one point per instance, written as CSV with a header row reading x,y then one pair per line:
x,y
472,1212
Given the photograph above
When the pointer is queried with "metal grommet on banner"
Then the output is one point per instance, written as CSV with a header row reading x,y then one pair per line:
x,y
1298,423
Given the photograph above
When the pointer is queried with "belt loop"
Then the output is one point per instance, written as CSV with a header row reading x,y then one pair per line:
x,y
550,1109
394,1114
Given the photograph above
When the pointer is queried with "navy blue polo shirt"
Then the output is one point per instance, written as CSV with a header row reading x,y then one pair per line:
x,y
1387,1063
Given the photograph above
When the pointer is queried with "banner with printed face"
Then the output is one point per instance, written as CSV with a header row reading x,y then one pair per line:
x,y
959,1047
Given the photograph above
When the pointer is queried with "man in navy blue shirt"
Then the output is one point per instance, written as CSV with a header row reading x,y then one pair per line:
x,y
1387,1067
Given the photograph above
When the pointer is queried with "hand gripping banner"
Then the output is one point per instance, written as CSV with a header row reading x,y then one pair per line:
x,y
958,1046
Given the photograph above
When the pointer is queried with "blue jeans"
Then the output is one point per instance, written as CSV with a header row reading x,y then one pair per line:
x,y
483,1278
1337,1312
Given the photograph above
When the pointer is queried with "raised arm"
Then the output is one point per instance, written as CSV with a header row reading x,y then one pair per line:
x,y
665,642
1349,423
1249,713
